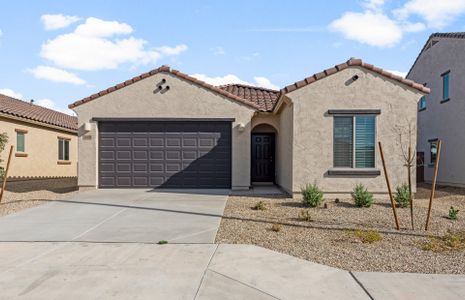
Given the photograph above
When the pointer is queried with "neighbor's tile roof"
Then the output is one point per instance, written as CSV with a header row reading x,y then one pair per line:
x,y
165,69
450,35
353,62
25,110
264,98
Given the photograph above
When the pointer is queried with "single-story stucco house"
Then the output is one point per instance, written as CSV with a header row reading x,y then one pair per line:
x,y
44,141
167,129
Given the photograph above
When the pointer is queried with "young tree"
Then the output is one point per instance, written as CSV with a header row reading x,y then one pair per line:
x,y
3,141
406,132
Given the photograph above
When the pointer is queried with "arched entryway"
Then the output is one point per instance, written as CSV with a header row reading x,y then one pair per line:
x,y
263,154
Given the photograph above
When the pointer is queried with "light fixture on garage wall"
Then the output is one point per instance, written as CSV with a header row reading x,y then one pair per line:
x,y
241,127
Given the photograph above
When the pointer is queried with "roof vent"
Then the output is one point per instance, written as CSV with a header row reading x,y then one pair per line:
x,y
31,101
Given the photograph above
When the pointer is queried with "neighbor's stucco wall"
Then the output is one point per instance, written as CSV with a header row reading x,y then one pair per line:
x,y
285,161
313,127
41,145
443,120
182,100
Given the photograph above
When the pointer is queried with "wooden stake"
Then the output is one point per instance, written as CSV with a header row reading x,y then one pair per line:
x,y
389,186
409,169
433,184
6,173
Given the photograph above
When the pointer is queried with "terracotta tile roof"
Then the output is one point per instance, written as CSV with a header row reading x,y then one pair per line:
x,y
264,98
451,35
25,110
166,69
353,62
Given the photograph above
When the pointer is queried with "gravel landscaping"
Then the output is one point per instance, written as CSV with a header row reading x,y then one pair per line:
x,y
13,202
334,235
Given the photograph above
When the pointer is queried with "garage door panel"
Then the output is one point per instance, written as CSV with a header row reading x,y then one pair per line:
x,y
165,154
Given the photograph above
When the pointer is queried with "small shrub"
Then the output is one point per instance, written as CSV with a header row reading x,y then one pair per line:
x,y
162,242
259,206
402,195
312,195
362,197
451,241
3,141
368,236
453,213
304,215
276,227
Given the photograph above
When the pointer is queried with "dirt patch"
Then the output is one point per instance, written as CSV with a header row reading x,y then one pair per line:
x,y
14,202
332,237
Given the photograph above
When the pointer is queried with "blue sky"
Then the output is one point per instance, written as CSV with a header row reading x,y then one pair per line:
x,y
57,52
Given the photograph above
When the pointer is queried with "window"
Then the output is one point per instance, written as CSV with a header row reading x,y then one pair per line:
x,y
445,86
422,103
63,149
433,150
354,141
20,142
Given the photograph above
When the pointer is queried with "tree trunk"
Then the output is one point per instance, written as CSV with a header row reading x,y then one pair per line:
x,y
409,168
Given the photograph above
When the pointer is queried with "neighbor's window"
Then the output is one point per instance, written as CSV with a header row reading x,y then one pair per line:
x,y
433,151
20,142
422,103
445,86
63,149
354,141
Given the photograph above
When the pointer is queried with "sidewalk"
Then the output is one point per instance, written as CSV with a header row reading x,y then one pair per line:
x,y
78,270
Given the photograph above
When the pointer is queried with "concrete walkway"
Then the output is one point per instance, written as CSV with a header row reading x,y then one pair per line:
x,y
77,270
187,216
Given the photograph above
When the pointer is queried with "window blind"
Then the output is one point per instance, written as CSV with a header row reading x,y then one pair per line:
x,y
343,142
364,142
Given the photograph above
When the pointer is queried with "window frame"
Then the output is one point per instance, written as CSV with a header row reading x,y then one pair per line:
x,y
420,107
354,116
62,157
21,132
431,142
443,78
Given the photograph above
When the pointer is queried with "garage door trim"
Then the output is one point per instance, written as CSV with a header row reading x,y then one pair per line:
x,y
163,119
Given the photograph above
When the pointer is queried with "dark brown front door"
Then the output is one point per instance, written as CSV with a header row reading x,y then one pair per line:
x,y
420,166
263,157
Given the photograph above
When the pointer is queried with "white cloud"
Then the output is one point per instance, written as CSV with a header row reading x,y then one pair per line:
x,y
11,93
376,27
230,78
94,27
48,103
398,73
374,5
56,75
437,14
52,22
220,80
371,28
218,50
169,51
91,47
265,83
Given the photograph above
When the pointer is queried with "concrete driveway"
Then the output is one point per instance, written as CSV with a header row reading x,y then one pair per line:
x,y
147,216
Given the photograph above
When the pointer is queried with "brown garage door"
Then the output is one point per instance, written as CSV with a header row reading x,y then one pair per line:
x,y
165,154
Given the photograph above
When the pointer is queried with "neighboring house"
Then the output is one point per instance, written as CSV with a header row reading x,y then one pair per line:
x,y
44,140
441,114
167,129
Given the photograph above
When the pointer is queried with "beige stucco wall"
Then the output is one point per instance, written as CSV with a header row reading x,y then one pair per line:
x,y
443,120
313,127
182,100
284,148
41,145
